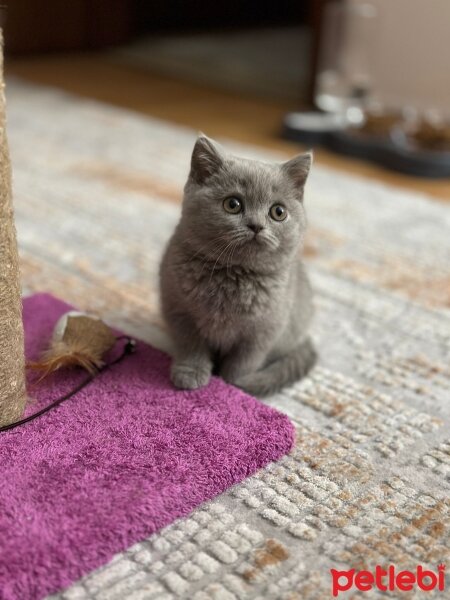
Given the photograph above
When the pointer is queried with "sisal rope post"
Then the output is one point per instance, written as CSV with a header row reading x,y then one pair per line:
x,y
12,360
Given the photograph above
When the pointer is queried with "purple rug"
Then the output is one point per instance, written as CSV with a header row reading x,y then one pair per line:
x,y
122,458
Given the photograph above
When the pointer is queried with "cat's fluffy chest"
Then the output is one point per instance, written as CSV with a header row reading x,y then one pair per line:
x,y
227,301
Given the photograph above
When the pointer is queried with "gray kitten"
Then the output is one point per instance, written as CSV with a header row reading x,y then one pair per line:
x,y
234,291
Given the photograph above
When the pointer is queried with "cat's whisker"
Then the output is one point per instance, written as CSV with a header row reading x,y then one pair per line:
x,y
205,248
235,238
208,245
271,240
230,257
241,243
229,254
208,260
215,264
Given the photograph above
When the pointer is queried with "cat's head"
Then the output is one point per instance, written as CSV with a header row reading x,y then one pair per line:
x,y
242,211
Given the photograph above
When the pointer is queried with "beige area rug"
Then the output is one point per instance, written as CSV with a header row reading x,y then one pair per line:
x,y
97,194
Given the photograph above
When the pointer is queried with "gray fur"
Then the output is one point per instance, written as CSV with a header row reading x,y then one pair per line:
x,y
236,302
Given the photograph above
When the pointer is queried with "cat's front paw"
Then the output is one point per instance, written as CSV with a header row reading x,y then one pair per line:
x,y
189,377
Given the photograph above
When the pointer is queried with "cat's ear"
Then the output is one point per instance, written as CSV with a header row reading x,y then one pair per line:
x,y
207,158
297,168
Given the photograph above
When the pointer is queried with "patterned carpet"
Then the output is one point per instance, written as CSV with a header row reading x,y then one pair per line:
x,y
97,193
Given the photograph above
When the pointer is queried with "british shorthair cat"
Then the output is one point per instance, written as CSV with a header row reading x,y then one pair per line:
x,y
234,292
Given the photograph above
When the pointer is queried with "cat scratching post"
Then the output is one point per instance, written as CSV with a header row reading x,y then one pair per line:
x,y
12,361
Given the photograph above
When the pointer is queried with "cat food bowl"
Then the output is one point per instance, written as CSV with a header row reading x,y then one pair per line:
x,y
419,148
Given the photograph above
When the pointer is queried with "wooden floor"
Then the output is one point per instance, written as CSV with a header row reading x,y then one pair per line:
x,y
215,112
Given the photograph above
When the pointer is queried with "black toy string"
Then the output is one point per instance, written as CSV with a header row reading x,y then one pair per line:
x,y
128,348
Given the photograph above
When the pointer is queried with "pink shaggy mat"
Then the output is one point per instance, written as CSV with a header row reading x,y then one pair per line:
x,y
124,457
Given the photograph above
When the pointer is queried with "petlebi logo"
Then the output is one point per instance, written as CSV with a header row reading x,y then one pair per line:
x,y
388,580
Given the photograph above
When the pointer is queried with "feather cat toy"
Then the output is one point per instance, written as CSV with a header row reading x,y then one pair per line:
x,y
79,340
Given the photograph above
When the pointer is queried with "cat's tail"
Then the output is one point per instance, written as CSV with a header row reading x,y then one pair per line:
x,y
287,369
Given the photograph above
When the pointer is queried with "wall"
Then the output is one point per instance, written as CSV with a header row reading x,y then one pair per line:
x,y
411,52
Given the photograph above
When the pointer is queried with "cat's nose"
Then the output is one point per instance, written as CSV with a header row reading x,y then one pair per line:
x,y
254,227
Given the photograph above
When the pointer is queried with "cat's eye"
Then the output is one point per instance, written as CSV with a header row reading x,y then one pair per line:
x,y
232,205
278,212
